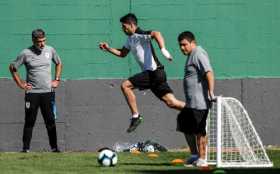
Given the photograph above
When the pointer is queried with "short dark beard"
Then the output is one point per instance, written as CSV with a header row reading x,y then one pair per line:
x,y
36,50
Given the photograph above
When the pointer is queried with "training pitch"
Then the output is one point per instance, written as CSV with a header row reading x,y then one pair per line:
x,y
128,163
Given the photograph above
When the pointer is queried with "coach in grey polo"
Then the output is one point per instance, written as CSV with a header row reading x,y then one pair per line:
x,y
39,86
199,90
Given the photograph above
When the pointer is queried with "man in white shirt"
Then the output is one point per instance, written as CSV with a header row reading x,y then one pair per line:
x,y
152,76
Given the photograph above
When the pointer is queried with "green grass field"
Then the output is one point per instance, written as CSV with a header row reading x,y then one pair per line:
x,y
86,163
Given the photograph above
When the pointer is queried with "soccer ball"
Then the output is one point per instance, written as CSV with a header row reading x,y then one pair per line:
x,y
149,148
107,158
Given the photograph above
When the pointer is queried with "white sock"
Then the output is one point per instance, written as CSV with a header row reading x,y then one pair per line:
x,y
202,160
136,115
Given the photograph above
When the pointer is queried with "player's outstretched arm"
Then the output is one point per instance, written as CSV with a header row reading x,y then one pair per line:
x,y
117,52
160,40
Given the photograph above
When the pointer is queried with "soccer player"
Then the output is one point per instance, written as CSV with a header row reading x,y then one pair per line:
x,y
39,86
199,91
152,76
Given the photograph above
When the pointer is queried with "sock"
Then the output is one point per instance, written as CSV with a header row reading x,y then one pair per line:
x,y
202,160
136,115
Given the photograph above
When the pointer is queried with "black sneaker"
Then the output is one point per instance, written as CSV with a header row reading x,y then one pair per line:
x,y
134,123
56,150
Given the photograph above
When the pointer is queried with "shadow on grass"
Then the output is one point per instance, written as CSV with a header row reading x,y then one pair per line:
x,y
213,171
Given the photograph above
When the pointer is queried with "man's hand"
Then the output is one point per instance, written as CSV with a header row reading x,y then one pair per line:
x,y
55,83
104,46
166,54
25,86
212,97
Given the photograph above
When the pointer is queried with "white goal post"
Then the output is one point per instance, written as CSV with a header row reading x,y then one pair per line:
x,y
232,138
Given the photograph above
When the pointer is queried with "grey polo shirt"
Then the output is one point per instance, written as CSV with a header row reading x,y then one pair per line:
x,y
195,83
38,67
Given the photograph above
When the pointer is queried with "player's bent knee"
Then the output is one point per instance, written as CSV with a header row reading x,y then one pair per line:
x,y
126,85
123,86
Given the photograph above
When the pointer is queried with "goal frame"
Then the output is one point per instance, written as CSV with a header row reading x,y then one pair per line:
x,y
216,112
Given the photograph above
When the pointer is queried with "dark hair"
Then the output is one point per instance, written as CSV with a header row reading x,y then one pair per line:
x,y
129,18
189,36
38,33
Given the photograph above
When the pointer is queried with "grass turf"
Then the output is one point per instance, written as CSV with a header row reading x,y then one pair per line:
x,y
86,163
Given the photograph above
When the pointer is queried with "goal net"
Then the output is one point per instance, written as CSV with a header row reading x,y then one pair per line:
x,y
232,138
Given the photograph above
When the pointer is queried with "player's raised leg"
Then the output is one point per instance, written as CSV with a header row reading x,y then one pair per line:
x,y
171,101
127,89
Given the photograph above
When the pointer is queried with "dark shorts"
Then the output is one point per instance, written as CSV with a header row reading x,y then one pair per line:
x,y
154,80
192,121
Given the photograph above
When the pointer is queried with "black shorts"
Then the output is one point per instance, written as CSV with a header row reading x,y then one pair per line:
x,y
154,80
192,121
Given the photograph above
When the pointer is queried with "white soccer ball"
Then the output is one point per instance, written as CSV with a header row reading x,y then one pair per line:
x,y
107,158
149,148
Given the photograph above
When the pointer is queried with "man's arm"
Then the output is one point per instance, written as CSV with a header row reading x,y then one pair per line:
x,y
58,69
117,52
160,41
211,83
16,77
56,81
